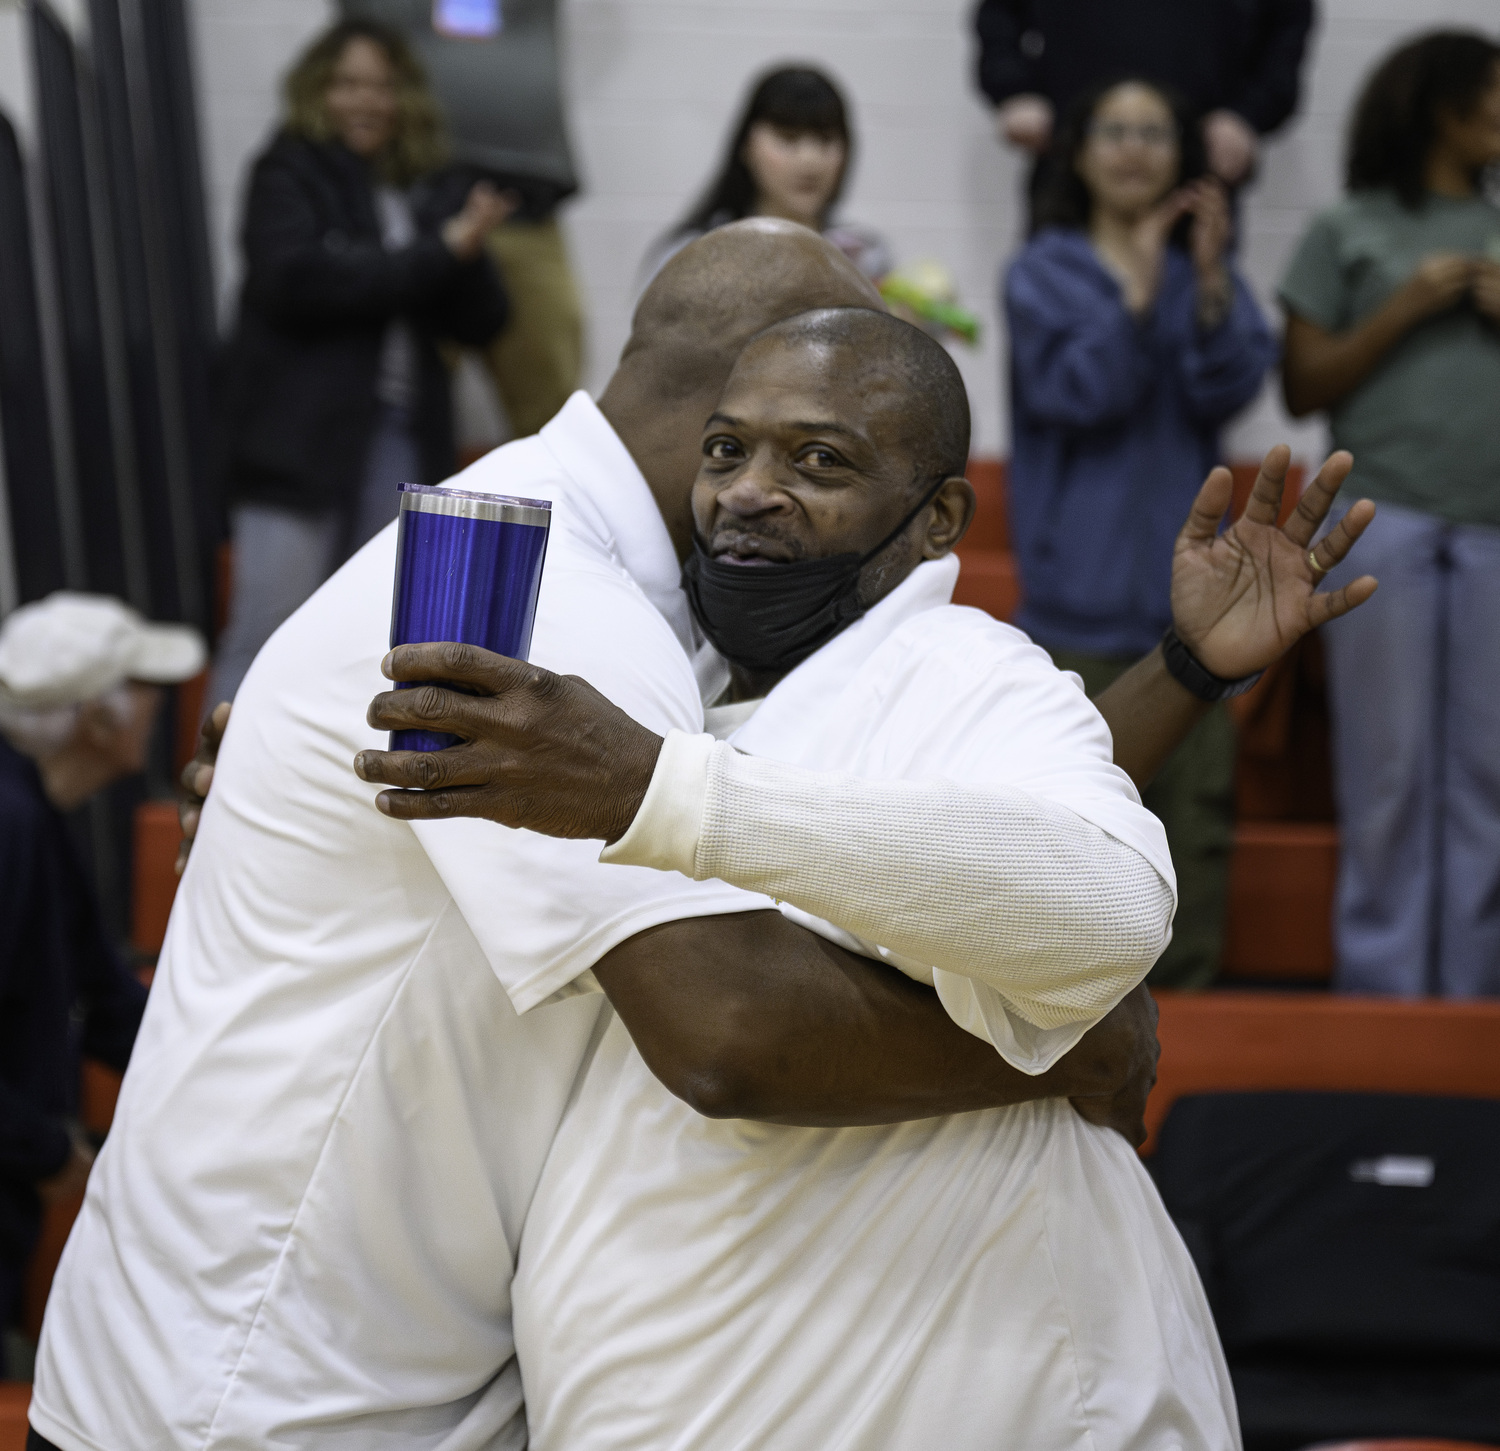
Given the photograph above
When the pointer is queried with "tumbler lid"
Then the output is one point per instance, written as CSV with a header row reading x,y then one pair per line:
x,y
470,504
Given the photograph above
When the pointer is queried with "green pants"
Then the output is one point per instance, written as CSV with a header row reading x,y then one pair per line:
x,y
536,361
1193,797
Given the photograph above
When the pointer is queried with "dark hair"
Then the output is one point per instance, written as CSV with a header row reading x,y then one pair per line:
x,y
1063,200
1394,124
418,145
796,98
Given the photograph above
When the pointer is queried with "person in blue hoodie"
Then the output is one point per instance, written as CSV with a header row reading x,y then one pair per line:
x,y
1133,341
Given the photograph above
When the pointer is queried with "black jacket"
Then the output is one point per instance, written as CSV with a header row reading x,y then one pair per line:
x,y
63,993
1243,55
299,402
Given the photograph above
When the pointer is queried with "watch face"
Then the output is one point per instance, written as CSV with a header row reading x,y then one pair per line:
x,y
467,19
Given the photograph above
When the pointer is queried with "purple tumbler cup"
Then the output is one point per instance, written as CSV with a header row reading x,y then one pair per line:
x,y
468,568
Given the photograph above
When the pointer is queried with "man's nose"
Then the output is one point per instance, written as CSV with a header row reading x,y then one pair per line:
x,y
752,493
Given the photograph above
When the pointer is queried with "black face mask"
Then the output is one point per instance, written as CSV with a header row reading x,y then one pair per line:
x,y
770,617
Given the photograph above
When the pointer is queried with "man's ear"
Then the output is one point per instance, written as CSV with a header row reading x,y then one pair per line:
x,y
952,512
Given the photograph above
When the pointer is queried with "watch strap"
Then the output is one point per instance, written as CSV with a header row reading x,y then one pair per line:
x,y
1184,667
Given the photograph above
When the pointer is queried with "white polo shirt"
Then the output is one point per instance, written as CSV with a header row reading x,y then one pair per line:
x,y
1001,1279
302,1228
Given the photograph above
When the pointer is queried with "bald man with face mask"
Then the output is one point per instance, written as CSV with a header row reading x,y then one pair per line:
x,y
997,1278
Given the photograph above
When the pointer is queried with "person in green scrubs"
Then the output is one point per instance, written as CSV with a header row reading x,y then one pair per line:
x,y
1393,328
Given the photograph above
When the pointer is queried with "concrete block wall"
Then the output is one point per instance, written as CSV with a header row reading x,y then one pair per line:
x,y
654,84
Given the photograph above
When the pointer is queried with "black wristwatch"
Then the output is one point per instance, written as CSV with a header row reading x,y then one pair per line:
x,y
1185,669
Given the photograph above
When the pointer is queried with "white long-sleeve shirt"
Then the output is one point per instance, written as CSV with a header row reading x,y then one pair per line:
x,y
1003,859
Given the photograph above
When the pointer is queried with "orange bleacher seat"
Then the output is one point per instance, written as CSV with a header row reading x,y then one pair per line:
x,y
157,835
15,1397
1405,1446
1279,925
100,1090
989,579
1245,1041
990,528
57,1225
223,584
189,712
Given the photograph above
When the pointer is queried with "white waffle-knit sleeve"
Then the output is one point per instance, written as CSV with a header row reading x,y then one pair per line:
x,y
1030,921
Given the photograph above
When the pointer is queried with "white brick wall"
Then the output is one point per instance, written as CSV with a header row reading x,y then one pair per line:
x,y
653,85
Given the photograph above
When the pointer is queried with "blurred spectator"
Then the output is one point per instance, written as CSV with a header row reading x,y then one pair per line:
x,y
1393,326
1236,62
358,259
788,157
79,691
1132,342
493,68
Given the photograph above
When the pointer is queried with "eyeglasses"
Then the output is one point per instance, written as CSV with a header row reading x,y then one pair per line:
x,y
1117,133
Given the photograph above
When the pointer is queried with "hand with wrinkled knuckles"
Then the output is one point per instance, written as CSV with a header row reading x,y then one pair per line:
x,y
541,751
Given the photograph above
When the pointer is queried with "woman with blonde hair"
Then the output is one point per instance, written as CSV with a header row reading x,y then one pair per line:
x,y
361,254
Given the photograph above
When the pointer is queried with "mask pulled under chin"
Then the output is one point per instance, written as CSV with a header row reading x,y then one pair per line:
x,y
771,617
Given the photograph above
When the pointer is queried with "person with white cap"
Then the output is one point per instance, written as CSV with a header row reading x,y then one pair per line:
x,y
79,688
80,684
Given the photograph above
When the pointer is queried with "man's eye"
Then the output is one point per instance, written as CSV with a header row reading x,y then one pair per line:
x,y
821,458
721,448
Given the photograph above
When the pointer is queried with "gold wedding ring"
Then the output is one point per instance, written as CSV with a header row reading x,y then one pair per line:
x,y
1312,559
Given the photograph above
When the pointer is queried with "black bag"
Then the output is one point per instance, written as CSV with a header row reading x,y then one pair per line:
x,y
1350,1248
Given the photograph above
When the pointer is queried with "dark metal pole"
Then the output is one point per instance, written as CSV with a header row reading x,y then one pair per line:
x,y
169,372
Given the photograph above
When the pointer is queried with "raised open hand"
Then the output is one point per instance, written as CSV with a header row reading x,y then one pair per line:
x,y
1240,599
